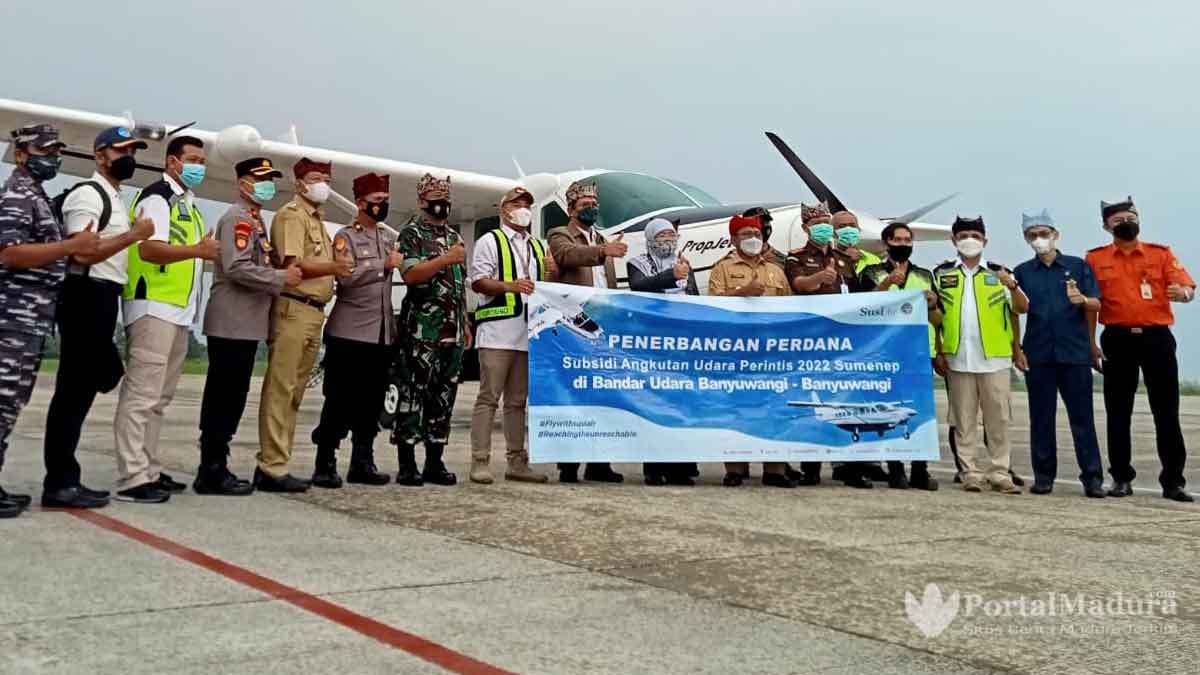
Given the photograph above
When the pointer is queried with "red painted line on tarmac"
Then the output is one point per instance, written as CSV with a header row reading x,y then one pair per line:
x,y
413,644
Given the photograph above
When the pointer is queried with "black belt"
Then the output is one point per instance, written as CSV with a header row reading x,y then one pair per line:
x,y
308,301
1138,330
101,282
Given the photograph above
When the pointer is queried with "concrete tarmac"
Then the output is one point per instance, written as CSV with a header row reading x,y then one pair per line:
x,y
593,578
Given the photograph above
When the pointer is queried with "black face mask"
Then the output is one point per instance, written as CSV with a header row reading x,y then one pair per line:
x,y
438,209
122,168
377,211
43,167
897,253
1127,231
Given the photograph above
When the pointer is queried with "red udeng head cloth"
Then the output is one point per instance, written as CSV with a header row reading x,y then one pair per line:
x,y
738,223
305,165
371,182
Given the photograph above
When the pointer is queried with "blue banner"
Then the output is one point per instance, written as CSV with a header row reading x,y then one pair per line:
x,y
638,377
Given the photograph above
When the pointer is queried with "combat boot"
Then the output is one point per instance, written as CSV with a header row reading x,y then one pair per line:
x,y
435,471
362,467
481,472
601,472
519,470
408,474
325,474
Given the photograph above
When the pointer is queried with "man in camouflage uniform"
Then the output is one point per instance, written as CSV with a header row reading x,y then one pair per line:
x,y
33,254
431,336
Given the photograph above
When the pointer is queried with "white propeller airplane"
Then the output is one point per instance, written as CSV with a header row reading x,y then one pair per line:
x,y
859,418
628,199
561,310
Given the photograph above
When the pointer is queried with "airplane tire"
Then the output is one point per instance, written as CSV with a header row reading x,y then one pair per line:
x,y
854,436
907,435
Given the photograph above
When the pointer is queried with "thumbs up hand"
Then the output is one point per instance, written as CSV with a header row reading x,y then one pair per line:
x,y
143,226
616,248
828,275
208,248
84,243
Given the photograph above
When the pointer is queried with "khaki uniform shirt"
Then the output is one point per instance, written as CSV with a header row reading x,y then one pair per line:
x,y
363,310
244,283
297,231
734,271
811,259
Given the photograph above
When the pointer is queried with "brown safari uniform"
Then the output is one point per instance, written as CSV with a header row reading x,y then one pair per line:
x,y
730,273
296,319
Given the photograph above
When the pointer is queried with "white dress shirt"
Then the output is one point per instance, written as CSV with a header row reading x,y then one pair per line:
x,y
970,357
511,333
83,206
157,209
599,272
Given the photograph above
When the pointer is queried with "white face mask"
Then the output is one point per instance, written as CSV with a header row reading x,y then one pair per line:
x,y
520,217
317,192
1042,245
752,246
969,248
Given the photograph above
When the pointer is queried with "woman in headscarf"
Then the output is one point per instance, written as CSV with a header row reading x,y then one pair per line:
x,y
662,270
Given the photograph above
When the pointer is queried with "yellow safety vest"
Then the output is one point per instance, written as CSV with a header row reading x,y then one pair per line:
x,y
918,279
170,284
992,307
509,305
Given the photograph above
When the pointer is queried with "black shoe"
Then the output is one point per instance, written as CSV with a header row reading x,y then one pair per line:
x,y
655,480
219,481
1039,489
839,472
1120,488
602,474
326,477
809,479
168,484
1094,490
285,483
146,493
571,476
859,482
95,494
22,501
876,473
923,481
72,498
409,476
365,473
1017,480
10,509
1176,494
898,481
958,477
778,480
732,479
795,475
438,474
681,480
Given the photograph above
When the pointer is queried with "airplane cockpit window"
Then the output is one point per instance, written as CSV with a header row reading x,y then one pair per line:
x,y
553,216
702,198
624,196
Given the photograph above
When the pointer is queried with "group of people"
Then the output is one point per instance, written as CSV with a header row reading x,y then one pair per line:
x,y
80,260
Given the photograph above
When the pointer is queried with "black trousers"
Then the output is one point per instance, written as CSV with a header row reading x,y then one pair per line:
x,y
1153,352
88,364
230,367
356,377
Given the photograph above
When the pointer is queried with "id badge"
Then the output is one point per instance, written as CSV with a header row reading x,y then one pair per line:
x,y
1146,293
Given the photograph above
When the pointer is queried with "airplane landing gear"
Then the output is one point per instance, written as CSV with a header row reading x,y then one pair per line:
x,y
854,436
907,434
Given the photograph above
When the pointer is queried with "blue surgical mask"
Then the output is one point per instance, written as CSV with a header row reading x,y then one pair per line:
x,y
192,175
821,233
848,236
264,191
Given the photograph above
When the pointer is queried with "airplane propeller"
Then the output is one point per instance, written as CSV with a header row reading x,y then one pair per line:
x,y
822,191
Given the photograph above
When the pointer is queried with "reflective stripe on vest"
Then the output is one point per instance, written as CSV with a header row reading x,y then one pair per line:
x,y
865,260
992,308
170,284
509,305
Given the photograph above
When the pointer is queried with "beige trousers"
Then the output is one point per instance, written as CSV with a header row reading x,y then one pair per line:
x,y
155,352
971,393
293,347
503,374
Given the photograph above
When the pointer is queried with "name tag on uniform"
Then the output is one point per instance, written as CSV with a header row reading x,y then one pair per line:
x,y
1147,294
948,281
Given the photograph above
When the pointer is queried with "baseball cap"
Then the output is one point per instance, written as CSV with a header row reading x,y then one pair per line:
x,y
118,137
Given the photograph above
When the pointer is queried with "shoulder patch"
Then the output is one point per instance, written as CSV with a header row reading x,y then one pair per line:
x,y
339,243
241,234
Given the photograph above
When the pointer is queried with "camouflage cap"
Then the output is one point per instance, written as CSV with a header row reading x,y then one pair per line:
x,y
1107,208
579,189
43,136
810,211
429,186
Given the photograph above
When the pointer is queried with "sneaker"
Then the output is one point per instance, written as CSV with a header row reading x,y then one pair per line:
x,y
1006,487
168,484
146,493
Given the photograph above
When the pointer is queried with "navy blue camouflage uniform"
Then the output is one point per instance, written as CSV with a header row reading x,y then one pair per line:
x,y
27,296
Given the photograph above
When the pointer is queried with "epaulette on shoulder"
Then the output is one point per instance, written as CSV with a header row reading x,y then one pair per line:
x,y
996,267
794,251
945,264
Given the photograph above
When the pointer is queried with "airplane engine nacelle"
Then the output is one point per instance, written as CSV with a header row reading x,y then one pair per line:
x,y
238,142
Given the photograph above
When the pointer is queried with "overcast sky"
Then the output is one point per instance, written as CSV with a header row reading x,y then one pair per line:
x,y
893,104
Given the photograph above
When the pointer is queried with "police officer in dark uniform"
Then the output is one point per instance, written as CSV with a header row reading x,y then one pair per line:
x,y
819,268
358,340
33,253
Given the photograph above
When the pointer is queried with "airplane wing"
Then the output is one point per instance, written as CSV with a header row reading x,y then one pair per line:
x,y
475,195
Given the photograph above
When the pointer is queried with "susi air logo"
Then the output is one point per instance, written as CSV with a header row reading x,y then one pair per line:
x,y
906,308
933,614
883,311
